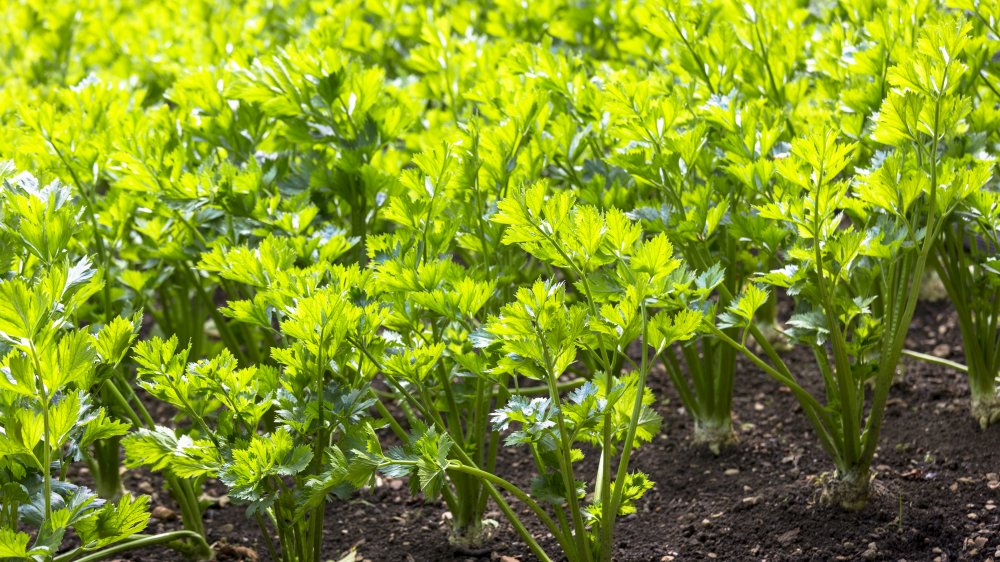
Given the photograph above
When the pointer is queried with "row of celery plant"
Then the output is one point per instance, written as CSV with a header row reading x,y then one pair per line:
x,y
52,364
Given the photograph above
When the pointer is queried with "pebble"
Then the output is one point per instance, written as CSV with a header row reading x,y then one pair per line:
x,y
163,513
942,350
870,553
788,536
508,559
221,501
145,487
992,481
731,471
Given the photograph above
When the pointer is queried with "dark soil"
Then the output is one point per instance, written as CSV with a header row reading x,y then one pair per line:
x,y
938,486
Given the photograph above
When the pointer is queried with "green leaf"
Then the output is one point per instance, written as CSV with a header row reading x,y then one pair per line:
x,y
71,361
114,522
741,313
112,343
14,544
32,428
20,374
101,427
635,485
23,311
63,418
431,468
681,326
414,364
654,258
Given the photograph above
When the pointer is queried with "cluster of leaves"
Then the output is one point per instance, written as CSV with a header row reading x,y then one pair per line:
x,y
279,436
50,366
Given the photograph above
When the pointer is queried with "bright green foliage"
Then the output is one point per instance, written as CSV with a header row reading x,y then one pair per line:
x,y
49,364
277,437
468,224
695,206
435,308
860,243
540,334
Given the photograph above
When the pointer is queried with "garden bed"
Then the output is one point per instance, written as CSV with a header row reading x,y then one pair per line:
x,y
757,501
349,282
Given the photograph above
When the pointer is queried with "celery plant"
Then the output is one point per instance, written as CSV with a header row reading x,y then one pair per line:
x,y
434,304
967,261
966,256
433,308
279,438
862,241
337,118
621,280
680,158
76,142
49,363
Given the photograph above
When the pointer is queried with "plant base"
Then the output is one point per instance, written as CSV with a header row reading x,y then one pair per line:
x,y
774,336
986,409
715,435
932,289
850,492
470,539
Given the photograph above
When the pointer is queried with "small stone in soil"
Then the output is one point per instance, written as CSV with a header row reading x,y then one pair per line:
x,y
787,537
163,513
